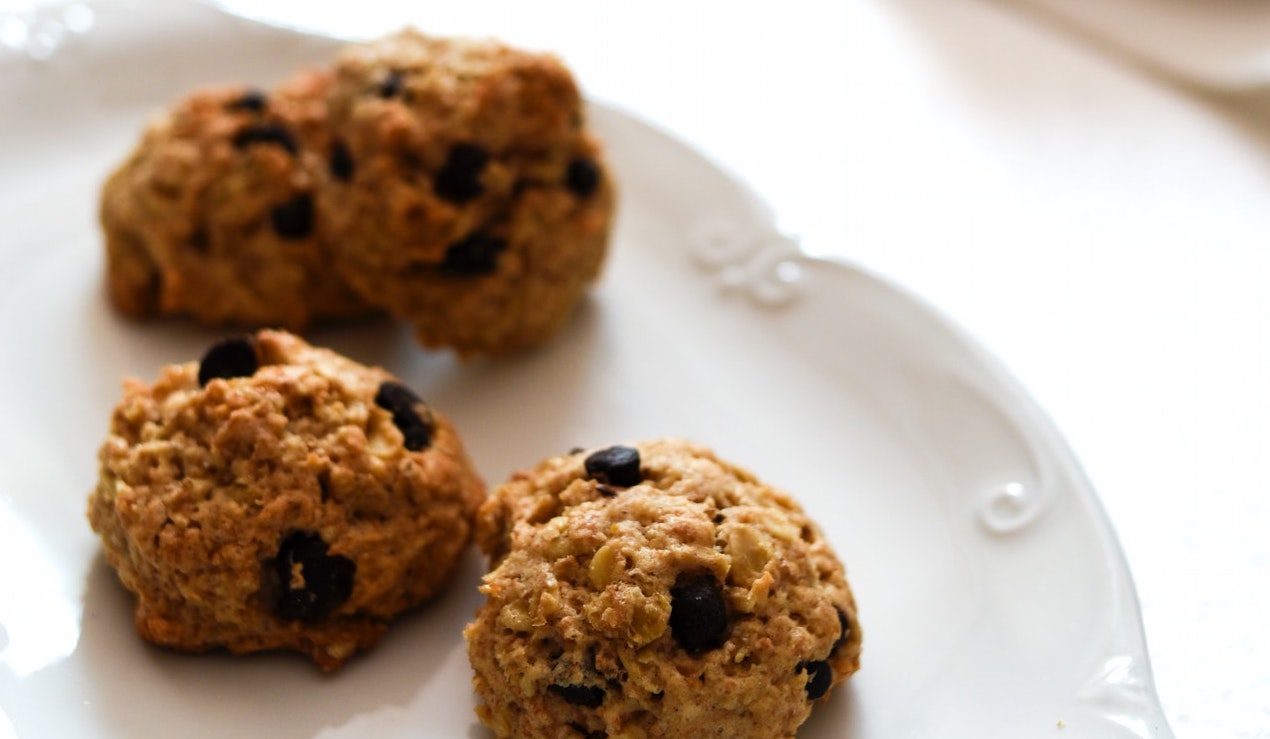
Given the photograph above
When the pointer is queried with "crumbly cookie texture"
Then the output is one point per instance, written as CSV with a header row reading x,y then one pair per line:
x,y
475,204
279,496
214,215
655,590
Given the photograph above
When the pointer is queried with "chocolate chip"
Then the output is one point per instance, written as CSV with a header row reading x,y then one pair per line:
x,y
844,630
402,403
460,177
582,177
252,101
200,241
266,133
617,465
341,162
313,582
587,696
294,218
227,358
475,254
392,85
605,490
393,395
819,678
586,733
698,613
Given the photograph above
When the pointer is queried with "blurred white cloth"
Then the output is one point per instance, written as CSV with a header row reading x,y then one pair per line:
x,y
1220,43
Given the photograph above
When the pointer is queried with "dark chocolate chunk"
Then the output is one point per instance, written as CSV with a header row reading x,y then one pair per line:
x,y
313,583
341,162
393,395
819,678
402,403
460,177
582,177
266,133
616,465
587,696
392,85
232,357
698,613
200,241
844,630
252,101
605,490
324,485
475,254
294,218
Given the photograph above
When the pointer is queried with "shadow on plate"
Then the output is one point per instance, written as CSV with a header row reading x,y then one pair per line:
x,y
136,689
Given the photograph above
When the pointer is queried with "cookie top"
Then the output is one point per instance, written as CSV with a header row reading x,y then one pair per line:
x,y
441,135
475,205
214,214
280,496
445,90
655,590
509,286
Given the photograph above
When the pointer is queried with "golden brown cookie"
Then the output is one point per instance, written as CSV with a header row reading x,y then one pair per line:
x,y
279,496
655,591
215,214
472,203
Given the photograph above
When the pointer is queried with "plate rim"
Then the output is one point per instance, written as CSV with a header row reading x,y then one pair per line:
x,y
786,251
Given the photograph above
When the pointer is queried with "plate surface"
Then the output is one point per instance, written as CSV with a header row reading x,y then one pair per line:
x,y
993,596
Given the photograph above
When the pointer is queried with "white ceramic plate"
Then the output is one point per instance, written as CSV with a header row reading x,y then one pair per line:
x,y
993,597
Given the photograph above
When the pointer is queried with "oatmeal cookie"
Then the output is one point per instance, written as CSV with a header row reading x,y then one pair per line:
x,y
470,200
279,496
215,214
655,591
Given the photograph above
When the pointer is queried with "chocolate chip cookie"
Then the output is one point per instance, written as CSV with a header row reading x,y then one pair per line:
x,y
471,200
276,495
215,216
655,590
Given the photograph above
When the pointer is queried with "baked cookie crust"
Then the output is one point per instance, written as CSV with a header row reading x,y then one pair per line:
x,y
476,205
215,215
279,496
655,590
